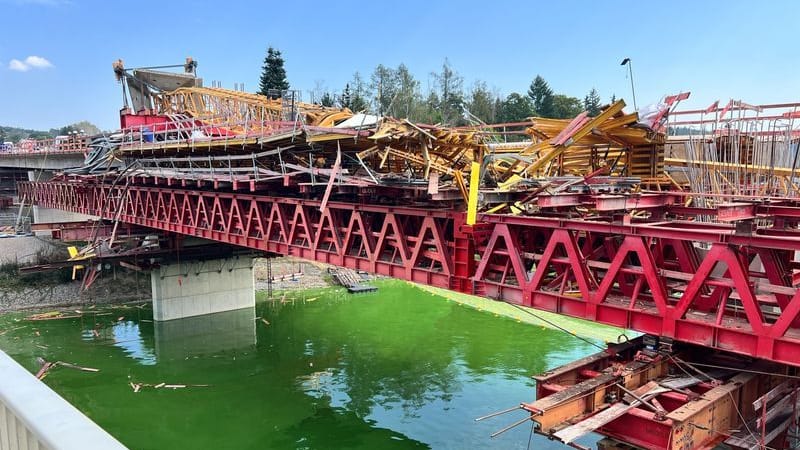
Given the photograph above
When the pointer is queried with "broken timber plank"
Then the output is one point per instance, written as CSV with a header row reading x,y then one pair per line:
x,y
617,410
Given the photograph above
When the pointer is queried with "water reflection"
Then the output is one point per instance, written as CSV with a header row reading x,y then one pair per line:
x,y
129,337
207,334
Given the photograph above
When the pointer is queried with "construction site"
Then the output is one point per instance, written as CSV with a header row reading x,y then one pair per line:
x,y
681,225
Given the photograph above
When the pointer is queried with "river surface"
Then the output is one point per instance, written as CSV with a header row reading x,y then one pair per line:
x,y
396,369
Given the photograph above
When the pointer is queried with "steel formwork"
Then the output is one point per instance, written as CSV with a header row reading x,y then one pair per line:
x,y
717,285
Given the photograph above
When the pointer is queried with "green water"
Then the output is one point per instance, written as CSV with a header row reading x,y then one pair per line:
x,y
396,369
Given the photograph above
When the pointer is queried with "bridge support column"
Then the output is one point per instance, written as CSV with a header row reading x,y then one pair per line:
x,y
195,288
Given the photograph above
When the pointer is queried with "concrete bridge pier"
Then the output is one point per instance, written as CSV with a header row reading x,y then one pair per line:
x,y
194,288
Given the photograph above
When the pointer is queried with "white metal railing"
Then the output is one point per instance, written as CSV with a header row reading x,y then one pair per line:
x,y
33,416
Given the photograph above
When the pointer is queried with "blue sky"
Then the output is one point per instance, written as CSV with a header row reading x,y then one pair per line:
x,y
716,49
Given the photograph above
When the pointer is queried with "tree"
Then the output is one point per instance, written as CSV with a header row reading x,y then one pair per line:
x,y
566,107
408,101
344,99
613,98
451,95
273,75
431,112
326,99
354,96
384,87
516,108
541,97
591,103
83,126
482,103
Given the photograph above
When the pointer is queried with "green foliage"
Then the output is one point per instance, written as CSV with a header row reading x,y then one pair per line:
x,y
84,125
451,94
565,107
273,75
407,102
430,112
13,134
541,97
327,99
516,108
482,103
591,103
355,94
11,279
383,85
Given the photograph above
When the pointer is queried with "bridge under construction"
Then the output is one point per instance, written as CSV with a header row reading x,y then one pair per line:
x,y
679,224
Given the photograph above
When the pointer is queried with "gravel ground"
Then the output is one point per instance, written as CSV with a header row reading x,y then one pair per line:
x,y
291,273
123,288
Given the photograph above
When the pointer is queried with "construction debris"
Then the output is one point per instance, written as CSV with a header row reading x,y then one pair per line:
x,y
45,367
139,386
52,315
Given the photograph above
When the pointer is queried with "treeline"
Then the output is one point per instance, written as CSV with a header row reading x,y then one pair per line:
x,y
395,91
13,134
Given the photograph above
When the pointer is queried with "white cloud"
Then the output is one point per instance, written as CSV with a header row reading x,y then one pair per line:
x,y
31,62
18,65
38,62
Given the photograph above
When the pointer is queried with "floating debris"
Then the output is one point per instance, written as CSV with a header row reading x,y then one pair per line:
x,y
51,315
46,366
139,386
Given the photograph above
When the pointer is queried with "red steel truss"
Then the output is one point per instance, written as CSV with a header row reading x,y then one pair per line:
x,y
717,285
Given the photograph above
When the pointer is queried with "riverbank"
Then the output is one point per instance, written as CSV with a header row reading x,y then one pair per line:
x,y
579,327
38,295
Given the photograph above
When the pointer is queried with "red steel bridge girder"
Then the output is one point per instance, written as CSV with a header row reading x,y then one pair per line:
x,y
736,294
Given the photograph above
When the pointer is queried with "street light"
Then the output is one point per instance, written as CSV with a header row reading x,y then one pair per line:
x,y
627,61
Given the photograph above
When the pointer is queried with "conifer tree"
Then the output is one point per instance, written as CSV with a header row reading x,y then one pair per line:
x,y
591,103
273,75
541,96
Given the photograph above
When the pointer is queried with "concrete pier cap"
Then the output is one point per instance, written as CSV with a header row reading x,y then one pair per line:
x,y
195,288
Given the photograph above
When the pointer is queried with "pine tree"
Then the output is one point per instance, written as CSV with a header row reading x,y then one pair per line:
x,y
541,96
354,96
613,98
326,99
344,100
273,75
591,103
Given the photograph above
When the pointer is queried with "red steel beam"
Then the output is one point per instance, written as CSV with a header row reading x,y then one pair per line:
x,y
707,284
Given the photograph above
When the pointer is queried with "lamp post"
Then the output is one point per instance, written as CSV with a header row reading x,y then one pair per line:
x,y
627,61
